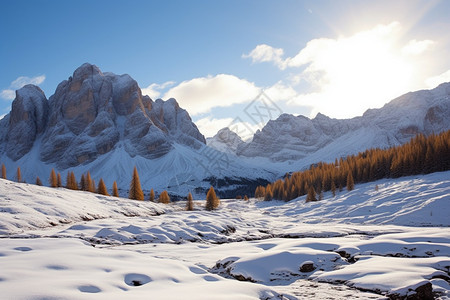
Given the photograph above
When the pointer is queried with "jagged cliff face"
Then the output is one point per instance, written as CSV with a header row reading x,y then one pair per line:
x,y
90,114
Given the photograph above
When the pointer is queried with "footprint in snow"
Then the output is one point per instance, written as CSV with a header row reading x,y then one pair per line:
x,y
89,289
23,249
134,279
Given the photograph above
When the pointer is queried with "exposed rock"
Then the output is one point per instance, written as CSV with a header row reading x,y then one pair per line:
x,y
225,140
27,120
87,117
307,266
423,292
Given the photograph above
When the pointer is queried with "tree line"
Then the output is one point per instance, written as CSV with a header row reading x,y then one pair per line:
x,y
87,183
421,155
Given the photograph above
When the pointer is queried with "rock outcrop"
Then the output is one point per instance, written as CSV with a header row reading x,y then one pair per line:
x,y
90,114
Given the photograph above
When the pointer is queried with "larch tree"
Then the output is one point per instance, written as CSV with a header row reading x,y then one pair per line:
x,y
190,202
19,175
212,202
74,182
53,179
38,181
350,182
135,187
311,194
115,189
245,198
58,180
164,197
102,188
92,187
269,194
152,196
3,171
83,183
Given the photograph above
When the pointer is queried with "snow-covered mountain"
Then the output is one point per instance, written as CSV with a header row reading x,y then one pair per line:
x,y
294,138
101,122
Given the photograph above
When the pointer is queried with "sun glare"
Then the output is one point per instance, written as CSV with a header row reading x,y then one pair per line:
x,y
353,74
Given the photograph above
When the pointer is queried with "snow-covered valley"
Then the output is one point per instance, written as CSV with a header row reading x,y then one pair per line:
x,y
388,238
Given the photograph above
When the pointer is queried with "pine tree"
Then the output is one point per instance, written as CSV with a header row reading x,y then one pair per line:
x,y
83,183
269,194
164,197
115,190
73,181
333,188
212,202
38,181
311,194
350,183
135,187
53,180
152,196
3,171
92,188
102,188
58,180
19,175
190,202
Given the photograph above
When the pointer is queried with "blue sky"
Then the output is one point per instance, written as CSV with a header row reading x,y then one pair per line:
x,y
215,57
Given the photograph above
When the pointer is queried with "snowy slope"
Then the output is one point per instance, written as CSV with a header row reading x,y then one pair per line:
x,y
357,239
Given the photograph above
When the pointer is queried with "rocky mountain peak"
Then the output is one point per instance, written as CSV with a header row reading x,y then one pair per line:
x,y
90,114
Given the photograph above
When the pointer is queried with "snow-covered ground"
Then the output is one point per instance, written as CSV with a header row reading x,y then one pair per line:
x,y
365,244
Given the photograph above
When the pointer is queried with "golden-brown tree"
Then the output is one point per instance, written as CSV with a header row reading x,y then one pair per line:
x,y
269,194
350,182
190,202
245,198
115,189
135,187
3,171
19,175
58,180
53,179
38,181
311,194
212,202
152,196
164,197
102,188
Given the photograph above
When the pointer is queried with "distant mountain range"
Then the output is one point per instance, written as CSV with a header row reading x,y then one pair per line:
x,y
101,122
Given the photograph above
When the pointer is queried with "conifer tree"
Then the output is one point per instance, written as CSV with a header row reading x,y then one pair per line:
x,y
190,202
3,171
311,194
164,197
245,198
83,183
102,188
73,180
19,175
92,188
350,183
53,180
38,181
115,190
212,202
333,188
58,180
89,182
152,196
135,187
269,194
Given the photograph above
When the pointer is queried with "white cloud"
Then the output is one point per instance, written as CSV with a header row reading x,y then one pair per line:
x,y
200,95
433,82
154,89
24,80
415,47
209,126
266,53
9,94
342,77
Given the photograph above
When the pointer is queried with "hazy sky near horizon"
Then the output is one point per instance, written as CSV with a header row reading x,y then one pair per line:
x,y
215,57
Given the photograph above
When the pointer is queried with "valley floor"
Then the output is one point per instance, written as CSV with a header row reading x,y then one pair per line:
x,y
393,241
